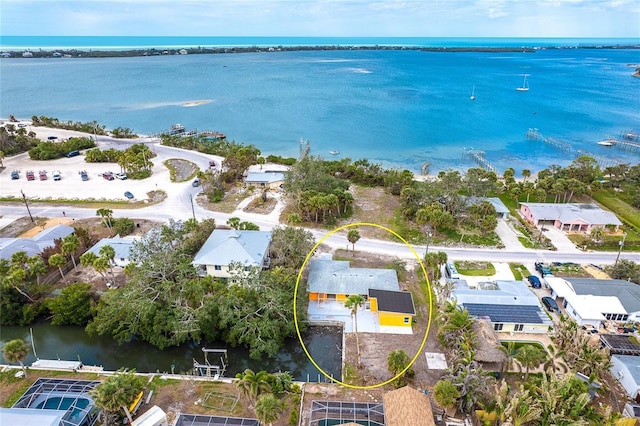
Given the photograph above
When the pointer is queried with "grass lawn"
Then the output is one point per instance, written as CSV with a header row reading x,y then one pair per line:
x,y
624,211
519,271
475,269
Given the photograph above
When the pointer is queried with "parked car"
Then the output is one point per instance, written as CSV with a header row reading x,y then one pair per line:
x,y
15,175
108,176
128,195
84,175
56,175
196,182
534,281
72,153
121,176
550,304
43,175
30,175
543,269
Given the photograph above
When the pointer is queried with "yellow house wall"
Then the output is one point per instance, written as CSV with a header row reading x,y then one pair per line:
x,y
373,304
341,297
394,319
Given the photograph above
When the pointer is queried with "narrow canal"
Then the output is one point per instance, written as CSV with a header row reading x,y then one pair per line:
x,y
72,344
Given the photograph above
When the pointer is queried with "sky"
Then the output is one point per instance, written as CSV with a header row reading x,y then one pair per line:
x,y
323,18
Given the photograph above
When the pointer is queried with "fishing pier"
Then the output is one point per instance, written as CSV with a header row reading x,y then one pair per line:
x,y
479,157
603,162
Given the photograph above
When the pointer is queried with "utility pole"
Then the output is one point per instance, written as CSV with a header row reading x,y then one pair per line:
x,y
192,208
624,236
24,197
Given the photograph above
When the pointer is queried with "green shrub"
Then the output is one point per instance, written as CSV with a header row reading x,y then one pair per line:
x,y
123,226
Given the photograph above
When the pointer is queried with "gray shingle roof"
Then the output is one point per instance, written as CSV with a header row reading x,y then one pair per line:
x,y
225,246
54,233
627,293
565,213
336,277
394,301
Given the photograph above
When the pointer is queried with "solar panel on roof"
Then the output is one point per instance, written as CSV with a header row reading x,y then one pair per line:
x,y
506,313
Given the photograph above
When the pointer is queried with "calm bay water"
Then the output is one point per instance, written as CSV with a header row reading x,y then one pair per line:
x,y
401,108
72,343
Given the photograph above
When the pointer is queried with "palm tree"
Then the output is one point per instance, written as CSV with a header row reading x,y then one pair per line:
x,y
16,351
253,384
353,302
397,361
353,236
118,392
597,234
70,245
106,215
268,408
510,352
555,361
526,173
521,409
58,261
36,267
529,356
110,253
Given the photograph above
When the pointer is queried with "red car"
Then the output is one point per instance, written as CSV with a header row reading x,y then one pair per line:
x,y
30,175
108,176
43,175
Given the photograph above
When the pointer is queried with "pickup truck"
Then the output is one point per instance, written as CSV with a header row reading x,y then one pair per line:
x,y
56,175
543,269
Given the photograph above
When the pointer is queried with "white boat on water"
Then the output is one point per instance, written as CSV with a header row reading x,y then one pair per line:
x,y
334,152
525,85
473,93
605,143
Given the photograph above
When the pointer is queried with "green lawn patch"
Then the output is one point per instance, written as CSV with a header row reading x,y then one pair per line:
x,y
475,269
624,211
519,271
526,242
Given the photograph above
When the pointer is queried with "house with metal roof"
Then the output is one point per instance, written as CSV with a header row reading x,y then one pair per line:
x,y
592,302
332,281
626,369
626,292
502,211
265,180
33,246
578,217
121,246
509,305
229,246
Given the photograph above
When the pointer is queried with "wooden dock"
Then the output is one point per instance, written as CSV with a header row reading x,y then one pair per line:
x,y
479,157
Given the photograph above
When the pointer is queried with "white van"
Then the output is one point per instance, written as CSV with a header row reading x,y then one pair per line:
x,y
451,271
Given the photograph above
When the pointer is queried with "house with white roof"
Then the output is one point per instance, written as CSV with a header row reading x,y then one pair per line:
x,y
121,246
626,292
509,305
589,303
230,246
580,217
626,368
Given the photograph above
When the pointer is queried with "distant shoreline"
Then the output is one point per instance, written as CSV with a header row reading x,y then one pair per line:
x,y
135,52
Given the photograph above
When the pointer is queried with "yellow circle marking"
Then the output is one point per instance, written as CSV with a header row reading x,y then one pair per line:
x,y
295,313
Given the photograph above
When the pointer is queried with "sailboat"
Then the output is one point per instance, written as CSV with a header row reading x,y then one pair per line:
x,y
525,85
473,93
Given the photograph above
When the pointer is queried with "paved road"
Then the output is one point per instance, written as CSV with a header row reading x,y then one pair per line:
x,y
181,204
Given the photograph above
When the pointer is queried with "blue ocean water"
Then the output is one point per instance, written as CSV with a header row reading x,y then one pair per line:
x,y
401,108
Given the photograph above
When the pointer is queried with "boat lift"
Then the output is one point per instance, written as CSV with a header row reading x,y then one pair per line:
x,y
209,370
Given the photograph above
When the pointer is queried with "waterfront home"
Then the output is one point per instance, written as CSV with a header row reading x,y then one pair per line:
x,y
581,217
265,180
121,246
33,246
331,282
229,246
509,305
